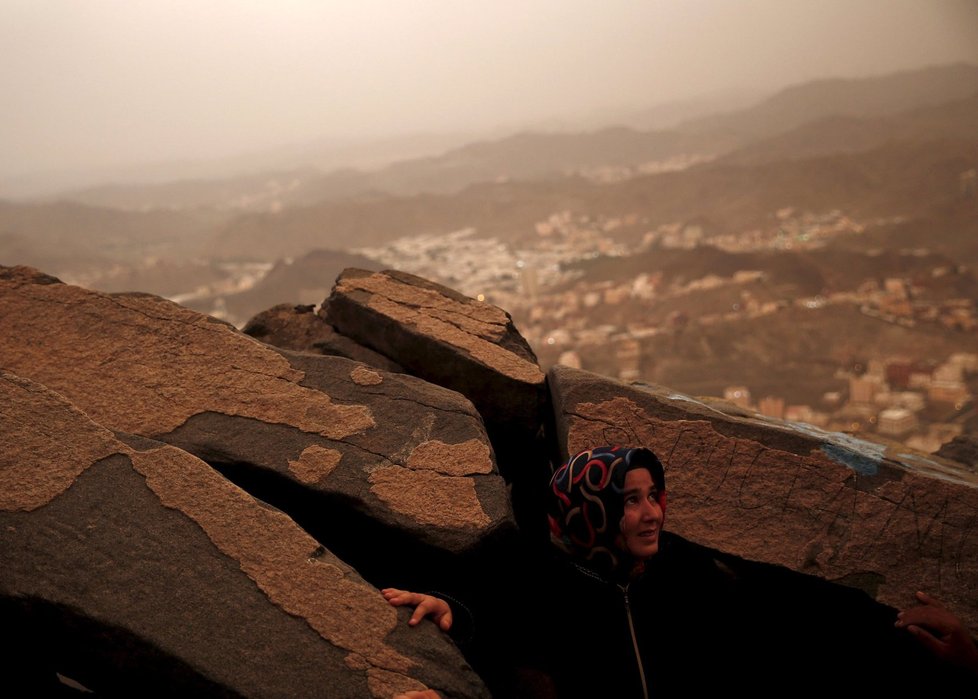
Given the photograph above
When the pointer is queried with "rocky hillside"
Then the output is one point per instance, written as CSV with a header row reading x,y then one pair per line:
x,y
195,509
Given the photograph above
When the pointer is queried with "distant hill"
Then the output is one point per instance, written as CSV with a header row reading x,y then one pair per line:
x,y
898,178
904,179
246,192
66,236
849,134
787,274
671,114
950,229
537,156
304,280
524,156
861,97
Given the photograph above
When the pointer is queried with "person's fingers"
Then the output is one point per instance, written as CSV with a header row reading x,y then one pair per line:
x,y
928,600
445,621
931,617
426,606
399,598
935,645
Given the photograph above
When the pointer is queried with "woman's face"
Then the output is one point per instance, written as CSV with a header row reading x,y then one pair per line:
x,y
642,521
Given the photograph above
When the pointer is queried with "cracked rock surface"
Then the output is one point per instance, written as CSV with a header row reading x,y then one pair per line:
x,y
326,435
817,503
439,335
148,573
299,328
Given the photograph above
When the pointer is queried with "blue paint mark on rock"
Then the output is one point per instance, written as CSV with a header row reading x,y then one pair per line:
x,y
861,456
865,464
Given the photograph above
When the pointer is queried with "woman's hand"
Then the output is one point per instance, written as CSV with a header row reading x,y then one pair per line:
x,y
424,605
940,632
424,694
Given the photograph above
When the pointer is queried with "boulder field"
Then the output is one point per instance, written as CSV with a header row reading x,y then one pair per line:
x,y
202,511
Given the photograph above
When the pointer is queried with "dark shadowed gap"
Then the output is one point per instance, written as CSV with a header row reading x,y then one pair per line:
x,y
42,639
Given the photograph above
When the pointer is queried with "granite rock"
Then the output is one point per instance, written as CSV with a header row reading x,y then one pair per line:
x,y
144,572
457,342
361,458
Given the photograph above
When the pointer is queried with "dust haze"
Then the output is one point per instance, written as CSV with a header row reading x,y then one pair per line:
x,y
99,87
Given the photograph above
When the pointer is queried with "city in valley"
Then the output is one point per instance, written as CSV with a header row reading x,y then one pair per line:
x,y
625,325
810,257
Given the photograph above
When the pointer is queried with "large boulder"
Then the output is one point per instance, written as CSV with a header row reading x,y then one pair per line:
x,y
299,328
361,458
140,571
889,522
451,340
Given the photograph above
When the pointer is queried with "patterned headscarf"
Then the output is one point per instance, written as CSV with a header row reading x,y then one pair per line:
x,y
587,502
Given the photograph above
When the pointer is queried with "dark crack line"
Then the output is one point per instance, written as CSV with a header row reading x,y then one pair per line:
x,y
893,513
394,462
278,377
747,474
791,489
729,465
964,535
426,405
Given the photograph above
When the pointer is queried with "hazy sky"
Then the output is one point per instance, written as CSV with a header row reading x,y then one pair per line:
x,y
92,83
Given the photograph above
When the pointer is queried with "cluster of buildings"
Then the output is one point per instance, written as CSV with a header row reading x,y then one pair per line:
x,y
899,301
911,401
489,268
789,230
572,320
793,230
607,174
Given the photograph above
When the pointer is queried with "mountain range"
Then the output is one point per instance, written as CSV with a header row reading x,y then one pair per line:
x,y
892,153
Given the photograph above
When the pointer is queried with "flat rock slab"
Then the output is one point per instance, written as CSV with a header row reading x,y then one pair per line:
x,y
300,329
446,338
145,572
410,456
819,503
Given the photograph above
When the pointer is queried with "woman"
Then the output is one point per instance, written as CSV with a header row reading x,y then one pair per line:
x,y
621,608
624,609
647,610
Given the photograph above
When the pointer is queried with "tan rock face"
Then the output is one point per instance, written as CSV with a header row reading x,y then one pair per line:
x,y
142,365
57,463
818,505
192,535
315,463
430,498
453,341
469,325
463,459
363,376
148,365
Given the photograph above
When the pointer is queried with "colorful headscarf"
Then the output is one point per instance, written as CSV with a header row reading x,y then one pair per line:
x,y
587,502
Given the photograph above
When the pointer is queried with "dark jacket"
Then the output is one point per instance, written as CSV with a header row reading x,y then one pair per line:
x,y
670,628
